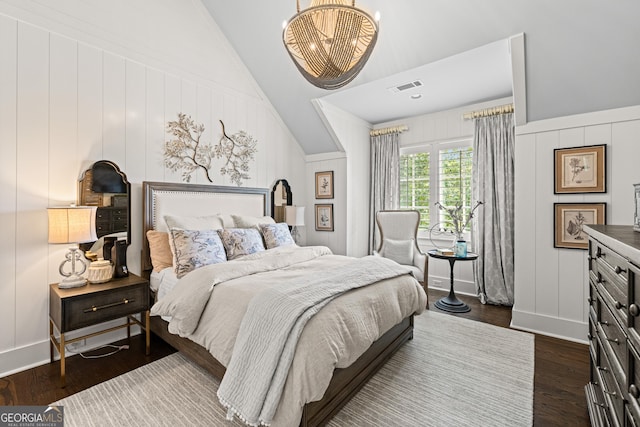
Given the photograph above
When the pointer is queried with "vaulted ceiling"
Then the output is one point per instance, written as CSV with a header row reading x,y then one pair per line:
x,y
581,56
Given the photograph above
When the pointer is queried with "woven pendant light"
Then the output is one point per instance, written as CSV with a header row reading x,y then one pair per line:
x,y
330,41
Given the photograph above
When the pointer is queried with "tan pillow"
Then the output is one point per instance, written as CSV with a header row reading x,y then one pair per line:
x,y
159,250
248,221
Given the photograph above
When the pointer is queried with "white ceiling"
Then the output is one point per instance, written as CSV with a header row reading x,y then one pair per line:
x,y
474,76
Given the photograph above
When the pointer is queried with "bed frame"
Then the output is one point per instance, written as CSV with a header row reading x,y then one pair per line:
x,y
180,199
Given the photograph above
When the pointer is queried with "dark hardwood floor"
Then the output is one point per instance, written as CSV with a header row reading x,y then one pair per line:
x,y
561,371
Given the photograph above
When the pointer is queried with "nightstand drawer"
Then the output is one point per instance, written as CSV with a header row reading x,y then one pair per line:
x,y
93,308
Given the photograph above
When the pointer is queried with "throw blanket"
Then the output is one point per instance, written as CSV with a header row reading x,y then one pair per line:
x,y
268,336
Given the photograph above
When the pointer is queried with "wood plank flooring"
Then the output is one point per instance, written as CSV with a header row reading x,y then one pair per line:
x,y
561,371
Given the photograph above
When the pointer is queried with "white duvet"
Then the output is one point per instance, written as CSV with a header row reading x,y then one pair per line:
x,y
334,338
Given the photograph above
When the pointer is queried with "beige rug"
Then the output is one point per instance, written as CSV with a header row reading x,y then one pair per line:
x,y
455,372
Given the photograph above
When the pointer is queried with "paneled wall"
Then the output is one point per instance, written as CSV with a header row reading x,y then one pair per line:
x,y
64,104
551,284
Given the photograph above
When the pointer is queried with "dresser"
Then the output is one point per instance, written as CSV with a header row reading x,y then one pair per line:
x,y
613,393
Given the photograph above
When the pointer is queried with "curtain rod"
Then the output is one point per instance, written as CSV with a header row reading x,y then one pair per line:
x,y
384,131
501,109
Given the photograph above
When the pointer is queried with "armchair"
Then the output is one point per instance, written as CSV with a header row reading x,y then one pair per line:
x,y
399,241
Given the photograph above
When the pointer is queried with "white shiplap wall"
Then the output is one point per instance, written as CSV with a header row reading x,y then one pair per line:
x,y
551,284
64,104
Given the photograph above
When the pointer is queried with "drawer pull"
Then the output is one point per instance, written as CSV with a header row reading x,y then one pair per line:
x,y
619,305
634,310
113,304
619,270
605,323
610,393
634,391
602,368
614,340
590,337
599,252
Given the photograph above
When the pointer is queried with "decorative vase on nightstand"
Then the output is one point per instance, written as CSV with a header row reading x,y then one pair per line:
x,y
100,271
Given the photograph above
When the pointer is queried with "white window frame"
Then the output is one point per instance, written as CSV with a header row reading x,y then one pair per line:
x,y
433,148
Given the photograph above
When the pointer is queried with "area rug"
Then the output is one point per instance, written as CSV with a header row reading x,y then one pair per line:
x,y
455,372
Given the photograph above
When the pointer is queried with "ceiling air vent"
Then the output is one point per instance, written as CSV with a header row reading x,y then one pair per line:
x,y
405,86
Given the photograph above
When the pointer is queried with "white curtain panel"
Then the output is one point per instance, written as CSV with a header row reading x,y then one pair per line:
x,y
385,179
493,184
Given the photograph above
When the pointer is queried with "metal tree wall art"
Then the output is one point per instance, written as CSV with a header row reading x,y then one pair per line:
x,y
187,153
238,150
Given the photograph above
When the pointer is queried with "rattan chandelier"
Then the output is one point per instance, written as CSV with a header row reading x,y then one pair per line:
x,y
330,41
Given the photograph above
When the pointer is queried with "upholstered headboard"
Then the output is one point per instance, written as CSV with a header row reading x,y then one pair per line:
x,y
163,198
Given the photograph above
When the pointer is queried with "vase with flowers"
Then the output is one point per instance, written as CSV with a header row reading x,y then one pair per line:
x,y
459,221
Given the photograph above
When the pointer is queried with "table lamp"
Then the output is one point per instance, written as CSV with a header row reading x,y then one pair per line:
x,y
294,216
72,224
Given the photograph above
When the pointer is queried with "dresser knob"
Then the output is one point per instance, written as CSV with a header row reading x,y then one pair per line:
x,y
618,305
619,270
633,391
589,300
614,340
634,310
590,337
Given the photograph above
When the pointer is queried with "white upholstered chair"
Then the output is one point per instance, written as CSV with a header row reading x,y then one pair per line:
x,y
399,241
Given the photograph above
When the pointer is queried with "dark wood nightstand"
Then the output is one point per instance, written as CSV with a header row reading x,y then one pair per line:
x,y
75,308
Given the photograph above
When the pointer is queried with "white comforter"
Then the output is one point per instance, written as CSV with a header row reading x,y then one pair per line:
x,y
333,338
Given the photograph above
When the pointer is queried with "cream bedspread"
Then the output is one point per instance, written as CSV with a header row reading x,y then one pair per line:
x,y
334,338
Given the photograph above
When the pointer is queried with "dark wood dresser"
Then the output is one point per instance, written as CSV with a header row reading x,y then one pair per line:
x,y
613,394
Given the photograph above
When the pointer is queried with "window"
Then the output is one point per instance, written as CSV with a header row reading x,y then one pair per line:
x,y
436,172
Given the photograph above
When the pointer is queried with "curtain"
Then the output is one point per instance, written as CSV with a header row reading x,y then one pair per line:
x,y
385,179
493,184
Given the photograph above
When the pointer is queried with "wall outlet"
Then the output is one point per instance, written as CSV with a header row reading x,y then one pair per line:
x,y
77,346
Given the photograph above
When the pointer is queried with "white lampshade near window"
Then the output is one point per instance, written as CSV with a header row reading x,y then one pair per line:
x,y
294,216
72,224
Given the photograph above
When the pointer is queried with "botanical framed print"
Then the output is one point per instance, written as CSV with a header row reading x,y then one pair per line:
x,y
569,220
580,169
324,217
324,185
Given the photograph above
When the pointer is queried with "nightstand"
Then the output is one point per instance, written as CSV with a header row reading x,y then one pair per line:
x,y
75,308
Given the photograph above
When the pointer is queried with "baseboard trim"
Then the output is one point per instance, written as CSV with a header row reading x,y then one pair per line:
x,y
37,354
555,327
462,287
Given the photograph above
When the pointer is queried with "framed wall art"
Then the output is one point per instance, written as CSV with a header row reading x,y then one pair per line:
x,y
569,220
580,169
324,185
324,217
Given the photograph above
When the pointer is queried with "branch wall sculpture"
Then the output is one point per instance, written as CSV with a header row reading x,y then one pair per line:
x,y
187,153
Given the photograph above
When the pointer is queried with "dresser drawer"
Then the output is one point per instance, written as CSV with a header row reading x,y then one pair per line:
x,y
634,304
613,396
614,293
606,259
633,390
614,342
98,307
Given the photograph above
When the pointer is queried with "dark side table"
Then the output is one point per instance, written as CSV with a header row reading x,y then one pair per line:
x,y
451,303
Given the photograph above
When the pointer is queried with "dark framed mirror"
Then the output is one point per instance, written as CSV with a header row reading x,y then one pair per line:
x,y
105,186
280,197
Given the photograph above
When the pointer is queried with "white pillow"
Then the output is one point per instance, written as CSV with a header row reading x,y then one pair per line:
x,y
276,235
195,249
401,251
241,241
248,221
210,222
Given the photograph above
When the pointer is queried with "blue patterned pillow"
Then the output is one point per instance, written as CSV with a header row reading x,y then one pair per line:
x,y
195,249
241,241
276,235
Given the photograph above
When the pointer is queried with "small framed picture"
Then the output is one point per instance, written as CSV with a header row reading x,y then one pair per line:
x,y
580,169
324,185
324,217
569,220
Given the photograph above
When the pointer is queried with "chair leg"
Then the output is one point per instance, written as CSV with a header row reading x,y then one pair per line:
x,y
425,286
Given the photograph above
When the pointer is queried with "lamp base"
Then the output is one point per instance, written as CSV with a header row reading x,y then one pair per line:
x,y
72,282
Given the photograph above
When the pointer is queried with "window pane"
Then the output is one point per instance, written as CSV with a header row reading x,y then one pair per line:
x,y
414,185
455,182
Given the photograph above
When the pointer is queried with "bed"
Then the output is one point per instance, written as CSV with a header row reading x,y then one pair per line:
x,y
160,199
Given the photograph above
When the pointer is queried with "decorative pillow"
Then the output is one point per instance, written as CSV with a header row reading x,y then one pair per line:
x,y
276,235
195,249
159,250
209,222
401,251
247,221
241,241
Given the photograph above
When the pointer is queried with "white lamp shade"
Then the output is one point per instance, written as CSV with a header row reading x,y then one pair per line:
x,y
72,224
294,215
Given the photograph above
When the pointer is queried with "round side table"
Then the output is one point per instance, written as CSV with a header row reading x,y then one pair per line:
x,y
451,303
